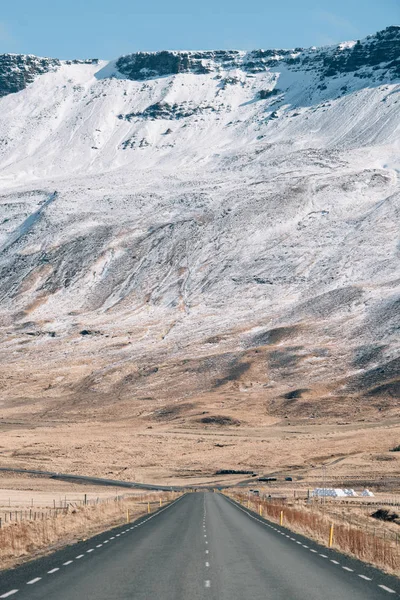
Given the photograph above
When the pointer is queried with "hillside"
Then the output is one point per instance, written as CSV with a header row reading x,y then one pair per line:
x,y
192,235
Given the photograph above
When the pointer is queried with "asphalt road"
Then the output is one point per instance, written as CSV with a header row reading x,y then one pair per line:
x,y
202,546
84,479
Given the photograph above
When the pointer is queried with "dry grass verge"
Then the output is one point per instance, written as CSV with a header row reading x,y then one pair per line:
x,y
348,539
25,540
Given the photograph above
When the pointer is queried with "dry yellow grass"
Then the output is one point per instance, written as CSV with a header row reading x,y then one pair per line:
x,y
27,539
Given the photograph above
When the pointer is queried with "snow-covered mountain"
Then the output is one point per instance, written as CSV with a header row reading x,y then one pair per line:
x,y
205,225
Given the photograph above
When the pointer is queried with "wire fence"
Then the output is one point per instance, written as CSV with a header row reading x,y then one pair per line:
x,y
31,510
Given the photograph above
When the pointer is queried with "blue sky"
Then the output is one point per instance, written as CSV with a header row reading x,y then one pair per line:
x,y
107,29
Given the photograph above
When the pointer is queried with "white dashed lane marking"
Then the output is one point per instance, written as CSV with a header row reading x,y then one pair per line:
x,y
207,564
53,571
8,594
79,556
348,569
387,589
335,562
207,583
32,581
90,550
69,562
365,577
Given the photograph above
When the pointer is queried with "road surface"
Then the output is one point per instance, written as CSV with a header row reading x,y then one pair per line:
x,y
202,546
85,479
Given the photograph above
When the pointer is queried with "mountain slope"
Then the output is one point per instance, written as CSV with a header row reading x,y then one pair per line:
x,y
214,227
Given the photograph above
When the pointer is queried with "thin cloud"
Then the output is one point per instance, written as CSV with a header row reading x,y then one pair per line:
x,y
337,23
6,37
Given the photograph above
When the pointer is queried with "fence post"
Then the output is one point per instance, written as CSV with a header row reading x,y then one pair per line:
x,y
127,516
281,518
160,502
331,536
148,507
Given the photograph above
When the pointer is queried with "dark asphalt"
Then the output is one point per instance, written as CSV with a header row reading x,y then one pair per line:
x,y
85,479
203,546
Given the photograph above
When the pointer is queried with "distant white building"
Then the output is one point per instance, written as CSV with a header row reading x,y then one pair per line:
x,y
328,492
350,492
367,493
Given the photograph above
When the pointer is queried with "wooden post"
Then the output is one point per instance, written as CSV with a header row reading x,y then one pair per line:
x,y
281,518
331,536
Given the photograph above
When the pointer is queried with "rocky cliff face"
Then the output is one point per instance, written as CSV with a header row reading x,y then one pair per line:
x,y
380,51
17,71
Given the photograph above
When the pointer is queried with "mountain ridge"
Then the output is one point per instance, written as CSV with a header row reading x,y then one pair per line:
x,y
225,236
374,50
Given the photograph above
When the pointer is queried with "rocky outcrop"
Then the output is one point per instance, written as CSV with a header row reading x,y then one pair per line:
x,y
380,51
145,65
163,110
17,71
